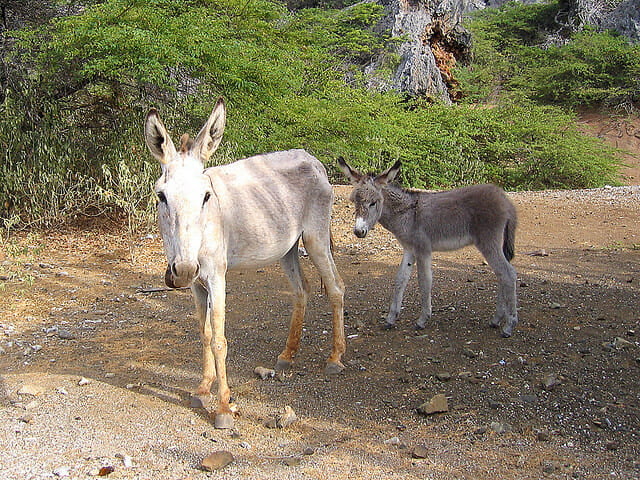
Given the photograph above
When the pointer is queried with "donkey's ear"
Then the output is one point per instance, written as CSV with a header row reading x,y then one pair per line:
x,y
157,138
388,175
210,136
353,175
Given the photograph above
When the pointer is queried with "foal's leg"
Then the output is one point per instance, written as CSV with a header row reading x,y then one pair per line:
x,y
291,265
425,278
319,248
201,299
506,305
402,278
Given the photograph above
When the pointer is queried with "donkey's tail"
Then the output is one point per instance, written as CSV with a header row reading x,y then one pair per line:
x,y
509,239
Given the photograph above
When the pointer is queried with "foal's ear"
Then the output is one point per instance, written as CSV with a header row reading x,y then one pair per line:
x,y
353,175
388,175
157,138
210,136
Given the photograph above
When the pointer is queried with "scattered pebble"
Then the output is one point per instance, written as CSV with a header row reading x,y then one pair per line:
x,y
287,418
264,373
83,381
419,451
30,389
500,427
443,376
64,334
291,461
550,382
62,472
437,404
217,461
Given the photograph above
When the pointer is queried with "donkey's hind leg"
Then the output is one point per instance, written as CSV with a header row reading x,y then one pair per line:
x,y
506,306
318,246
201,300
291,265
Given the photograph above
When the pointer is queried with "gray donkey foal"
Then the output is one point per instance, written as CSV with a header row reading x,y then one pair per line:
x,y
424,222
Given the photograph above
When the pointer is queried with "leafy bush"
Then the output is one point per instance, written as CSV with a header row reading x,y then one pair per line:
x,y
520,52
71,120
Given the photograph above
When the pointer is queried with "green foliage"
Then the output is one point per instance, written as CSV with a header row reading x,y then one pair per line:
x,y
71,118
511,59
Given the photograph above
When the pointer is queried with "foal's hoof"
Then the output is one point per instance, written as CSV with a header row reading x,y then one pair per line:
x,y
223,421
419,326
282,365
388,326
333,368
506,332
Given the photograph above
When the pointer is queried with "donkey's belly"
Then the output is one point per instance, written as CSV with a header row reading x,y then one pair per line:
x,y
259,253
451,243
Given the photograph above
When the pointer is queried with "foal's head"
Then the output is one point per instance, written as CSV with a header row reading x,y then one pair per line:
x,y
367,195
183,191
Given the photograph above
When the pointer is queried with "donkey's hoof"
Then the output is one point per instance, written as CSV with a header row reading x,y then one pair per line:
x,y
200,401
420,326
223,421
388,326
333,368
506,333
282,365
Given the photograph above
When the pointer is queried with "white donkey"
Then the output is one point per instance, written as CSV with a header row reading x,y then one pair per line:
x,y
424,222
249,213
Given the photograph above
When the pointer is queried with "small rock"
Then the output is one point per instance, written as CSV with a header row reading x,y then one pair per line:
x,y
309,451
467,352
543,436
437,404
264,373
104,471
392,441
548,467
83,381
419,451
291,461
612,445
443,376
550,382
495,404
500,427
217,461
555,306
620,343
287,418
271,423
26,418
62,391
528,398
62,472
127,461
64,334
28,389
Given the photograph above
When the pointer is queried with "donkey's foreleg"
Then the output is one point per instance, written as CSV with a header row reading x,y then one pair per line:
x,y
223,416
402,278
320,254
291,265
201,299
425,279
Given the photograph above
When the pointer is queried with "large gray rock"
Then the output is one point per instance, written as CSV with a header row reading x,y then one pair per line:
x,y
434,40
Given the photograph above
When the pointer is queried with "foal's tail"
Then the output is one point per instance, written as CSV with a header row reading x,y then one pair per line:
x,y
509,239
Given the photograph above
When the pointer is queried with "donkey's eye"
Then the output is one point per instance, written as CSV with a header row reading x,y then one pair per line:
x,y
161,197
207,196
373,204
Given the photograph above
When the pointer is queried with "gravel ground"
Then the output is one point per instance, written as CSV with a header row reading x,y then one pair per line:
x,y
72,309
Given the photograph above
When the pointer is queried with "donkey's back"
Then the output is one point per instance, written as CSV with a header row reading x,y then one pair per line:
x,y
268,201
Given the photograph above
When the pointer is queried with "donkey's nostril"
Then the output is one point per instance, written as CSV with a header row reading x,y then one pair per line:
x,y
197,270
173,269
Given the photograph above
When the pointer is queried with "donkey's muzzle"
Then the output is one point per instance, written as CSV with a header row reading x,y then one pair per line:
x,y
181,274
360,232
